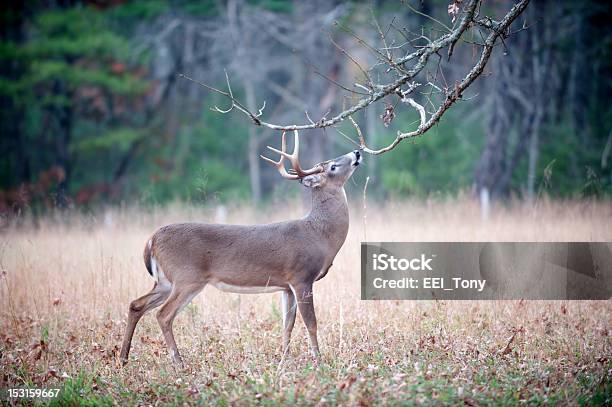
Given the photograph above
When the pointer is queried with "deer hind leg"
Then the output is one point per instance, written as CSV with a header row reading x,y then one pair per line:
x,y
304,296
180,297
138,308
289,308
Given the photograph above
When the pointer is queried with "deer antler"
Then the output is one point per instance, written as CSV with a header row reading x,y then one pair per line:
x,y
293,158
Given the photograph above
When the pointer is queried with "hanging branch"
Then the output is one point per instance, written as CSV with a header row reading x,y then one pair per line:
x,y
371,92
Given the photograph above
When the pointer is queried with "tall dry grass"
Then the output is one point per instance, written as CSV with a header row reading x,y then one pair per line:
x,y
66,286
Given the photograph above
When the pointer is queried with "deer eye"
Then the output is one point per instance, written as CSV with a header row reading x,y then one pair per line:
x,y
333,167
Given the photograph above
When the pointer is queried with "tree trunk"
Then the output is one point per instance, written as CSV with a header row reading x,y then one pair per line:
x,y
238,33
491,167
534,145
62,145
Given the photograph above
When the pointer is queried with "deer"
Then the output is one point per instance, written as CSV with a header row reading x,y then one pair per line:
x,y
286,256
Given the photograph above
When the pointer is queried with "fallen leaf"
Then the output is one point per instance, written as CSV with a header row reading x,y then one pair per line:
x,y
508,349
346,384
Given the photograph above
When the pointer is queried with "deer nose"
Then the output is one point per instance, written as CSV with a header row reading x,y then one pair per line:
x,y
357,157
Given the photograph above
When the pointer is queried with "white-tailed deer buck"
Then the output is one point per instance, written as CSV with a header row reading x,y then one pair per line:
x,y
286,256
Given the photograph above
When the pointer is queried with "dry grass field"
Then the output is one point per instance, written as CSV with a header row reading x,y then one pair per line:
x,y
66,285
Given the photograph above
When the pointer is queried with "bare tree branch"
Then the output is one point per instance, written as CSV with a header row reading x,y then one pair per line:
x,y
354,61
455,94
404,75
418,107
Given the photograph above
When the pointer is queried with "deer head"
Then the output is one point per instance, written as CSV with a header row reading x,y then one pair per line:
x,y
331,174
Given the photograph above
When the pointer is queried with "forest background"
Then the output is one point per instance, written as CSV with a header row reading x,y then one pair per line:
x,y
94,110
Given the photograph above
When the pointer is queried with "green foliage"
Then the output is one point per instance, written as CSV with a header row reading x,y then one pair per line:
x,y
44,72
216,179
401,182
63,52
79,391
216,161
442,160
120,139
205,8
205,161
568,165
277,6
129,12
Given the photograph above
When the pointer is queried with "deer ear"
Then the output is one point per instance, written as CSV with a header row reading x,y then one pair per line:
x,y
312,181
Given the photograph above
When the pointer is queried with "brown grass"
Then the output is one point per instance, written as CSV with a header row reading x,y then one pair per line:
x,y
66,285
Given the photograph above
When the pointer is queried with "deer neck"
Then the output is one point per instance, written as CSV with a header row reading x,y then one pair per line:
x,y
329,215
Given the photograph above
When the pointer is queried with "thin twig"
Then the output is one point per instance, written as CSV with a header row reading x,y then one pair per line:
x,y
365,209
359,133
349,56
382,36
347,137
428,16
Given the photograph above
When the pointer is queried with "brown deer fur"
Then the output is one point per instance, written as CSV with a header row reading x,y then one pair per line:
x,y
285,256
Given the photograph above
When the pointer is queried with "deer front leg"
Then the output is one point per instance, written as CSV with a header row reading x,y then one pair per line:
x,y
289,308
304,297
